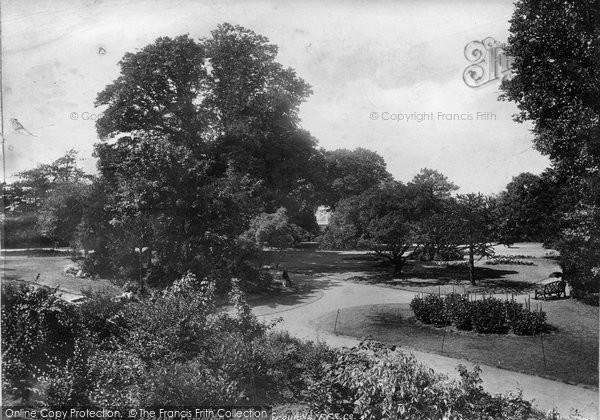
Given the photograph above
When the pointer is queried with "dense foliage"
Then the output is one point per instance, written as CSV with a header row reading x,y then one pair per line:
x,y
45,205
176,349
555,45
372,381
418,220
350,173
487,315
380,220
38,332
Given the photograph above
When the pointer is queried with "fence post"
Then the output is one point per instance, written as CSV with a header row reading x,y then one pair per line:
x,y
336,320
543,352
443,339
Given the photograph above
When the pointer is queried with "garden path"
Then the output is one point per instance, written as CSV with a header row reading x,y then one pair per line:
x,y
299,309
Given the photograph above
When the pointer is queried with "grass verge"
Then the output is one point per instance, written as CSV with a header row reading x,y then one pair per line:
x,y
571,352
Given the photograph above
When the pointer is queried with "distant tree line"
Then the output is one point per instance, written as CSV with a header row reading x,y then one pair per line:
x,y
420,219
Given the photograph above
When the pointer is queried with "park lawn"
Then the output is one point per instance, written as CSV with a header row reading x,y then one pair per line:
x,y
571,350
428,277
21,268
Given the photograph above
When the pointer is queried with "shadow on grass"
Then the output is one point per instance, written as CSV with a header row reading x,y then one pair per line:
x,y
426,275
305,289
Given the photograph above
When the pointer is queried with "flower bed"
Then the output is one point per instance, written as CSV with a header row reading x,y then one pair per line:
x,y
508,259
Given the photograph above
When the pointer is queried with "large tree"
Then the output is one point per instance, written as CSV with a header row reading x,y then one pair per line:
x,y
381,220
352,172
475,227
433,183
229,101
555,45
198,137
529,208
432,192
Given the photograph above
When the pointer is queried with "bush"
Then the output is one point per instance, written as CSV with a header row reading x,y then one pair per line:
x,y
170,349
372,381
513,311
489,316
190,383
528,323
430,310
38,332
99,315
451,254
459,311
284,366
68,384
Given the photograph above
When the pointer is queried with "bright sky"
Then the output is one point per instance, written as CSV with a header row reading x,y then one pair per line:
x,y
360,57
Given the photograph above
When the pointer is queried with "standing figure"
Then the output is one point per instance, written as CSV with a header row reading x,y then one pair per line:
x,y
286,278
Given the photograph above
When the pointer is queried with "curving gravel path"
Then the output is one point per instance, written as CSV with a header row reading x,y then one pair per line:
x,y
311,299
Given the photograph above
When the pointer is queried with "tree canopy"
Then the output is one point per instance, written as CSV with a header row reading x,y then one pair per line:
x,y
227,103
199,136
382,220
555,45
352,172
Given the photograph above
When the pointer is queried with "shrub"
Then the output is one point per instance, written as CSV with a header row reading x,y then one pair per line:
x,y
190,383
489,316
460,311
450,254
90,264
99,315
68,384
38,332
430,310
528,323
284,366
372,381
116,377
420,310
513,311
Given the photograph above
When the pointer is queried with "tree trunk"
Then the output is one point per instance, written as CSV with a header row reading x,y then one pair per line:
x,y
398,264
472,266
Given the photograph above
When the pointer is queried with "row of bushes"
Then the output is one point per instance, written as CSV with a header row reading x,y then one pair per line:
x,y
488,315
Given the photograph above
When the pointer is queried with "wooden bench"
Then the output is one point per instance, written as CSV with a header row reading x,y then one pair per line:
x,y
550,287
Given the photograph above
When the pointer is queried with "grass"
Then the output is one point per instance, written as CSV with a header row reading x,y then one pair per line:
x,y
571,350
22,268
430,277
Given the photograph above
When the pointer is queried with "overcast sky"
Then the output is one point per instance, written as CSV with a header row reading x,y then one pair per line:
x,y
364,60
